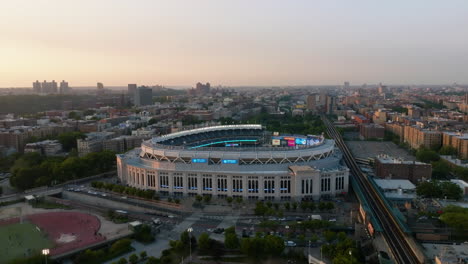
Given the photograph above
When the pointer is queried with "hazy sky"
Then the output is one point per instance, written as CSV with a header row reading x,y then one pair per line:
x,y
235,42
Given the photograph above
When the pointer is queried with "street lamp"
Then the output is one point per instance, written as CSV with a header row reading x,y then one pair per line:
x,y
189,230
45,252
350,255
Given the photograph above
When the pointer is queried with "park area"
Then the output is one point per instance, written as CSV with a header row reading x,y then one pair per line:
x,y
61,232
21,240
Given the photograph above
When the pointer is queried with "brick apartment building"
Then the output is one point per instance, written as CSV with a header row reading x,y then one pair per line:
x,y
457,140
417,137
392,168
371,131
396,129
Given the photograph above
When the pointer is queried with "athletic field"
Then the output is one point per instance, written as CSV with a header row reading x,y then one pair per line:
x,y
21,240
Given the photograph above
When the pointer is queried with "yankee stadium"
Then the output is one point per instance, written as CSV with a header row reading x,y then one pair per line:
x,y
239,161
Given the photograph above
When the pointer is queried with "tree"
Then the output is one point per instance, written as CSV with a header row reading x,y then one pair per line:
x,y
122,261
229,199
428,189
152,260
260,209
448,150
231,240
304,205
185,237
440,169
198,198
207,198
287,206
329,206
322,206
276,206
143,254
274,245
442,190
329,235
68,139
294,206
143,234
426,155
120,246
133,258
312,206
456,217
451,190
204,242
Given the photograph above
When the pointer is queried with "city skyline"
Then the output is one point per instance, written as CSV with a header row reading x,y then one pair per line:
x,y
233,43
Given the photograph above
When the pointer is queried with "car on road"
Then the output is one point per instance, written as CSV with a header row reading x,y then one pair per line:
x,y
218,231
289,243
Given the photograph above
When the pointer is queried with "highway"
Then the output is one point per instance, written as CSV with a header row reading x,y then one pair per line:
x,y
392,232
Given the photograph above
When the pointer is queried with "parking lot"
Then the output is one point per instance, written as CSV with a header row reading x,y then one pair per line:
x,y
371,149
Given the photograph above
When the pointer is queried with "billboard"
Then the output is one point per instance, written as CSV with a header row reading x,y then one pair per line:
x,y
199,160
291,143
229,161
276,142
301,141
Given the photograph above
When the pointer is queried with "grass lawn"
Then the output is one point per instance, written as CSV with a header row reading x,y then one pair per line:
x,y
21,240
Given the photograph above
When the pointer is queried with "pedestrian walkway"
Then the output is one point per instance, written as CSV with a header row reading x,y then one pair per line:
x,y
162,239
228,221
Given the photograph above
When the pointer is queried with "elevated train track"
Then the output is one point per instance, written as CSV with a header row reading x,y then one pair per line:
x,y
403,248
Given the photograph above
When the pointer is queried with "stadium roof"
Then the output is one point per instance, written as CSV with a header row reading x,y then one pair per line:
x,y
204,130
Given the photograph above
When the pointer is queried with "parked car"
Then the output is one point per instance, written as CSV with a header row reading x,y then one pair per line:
x,y
289,243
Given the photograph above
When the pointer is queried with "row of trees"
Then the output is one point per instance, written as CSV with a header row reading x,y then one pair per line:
x,y
147,194
269,208
34,170
438,189
441,169
260,247
30,104
101,255
134,258
456,217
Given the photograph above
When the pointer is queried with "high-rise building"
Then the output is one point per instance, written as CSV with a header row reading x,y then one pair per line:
x,y
346,85
37,87
64,87
312,101
331,104
49,87
143,96
200,89
131,89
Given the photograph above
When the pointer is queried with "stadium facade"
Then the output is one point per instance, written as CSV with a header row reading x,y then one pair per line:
x,y
236,160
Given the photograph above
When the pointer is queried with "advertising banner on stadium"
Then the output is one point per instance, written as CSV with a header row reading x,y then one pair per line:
x,y
276,142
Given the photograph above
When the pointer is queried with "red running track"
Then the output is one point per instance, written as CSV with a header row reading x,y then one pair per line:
x,y
84,227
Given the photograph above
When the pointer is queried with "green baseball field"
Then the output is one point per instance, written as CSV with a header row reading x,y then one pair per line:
x,y
21,240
